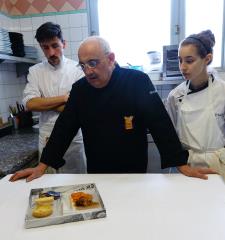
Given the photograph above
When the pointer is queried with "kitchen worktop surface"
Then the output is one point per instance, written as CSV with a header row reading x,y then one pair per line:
x,y
18,150
138,206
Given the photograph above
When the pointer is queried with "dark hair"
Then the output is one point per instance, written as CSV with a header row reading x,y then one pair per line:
x,y
203,41
48,31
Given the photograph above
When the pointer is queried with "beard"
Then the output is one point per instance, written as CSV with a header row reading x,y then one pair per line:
x,y
55,61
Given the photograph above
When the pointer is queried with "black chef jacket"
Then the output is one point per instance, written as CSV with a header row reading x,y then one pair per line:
x,y
114,121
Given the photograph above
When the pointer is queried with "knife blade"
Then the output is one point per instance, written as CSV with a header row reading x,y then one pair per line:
x,y
18,107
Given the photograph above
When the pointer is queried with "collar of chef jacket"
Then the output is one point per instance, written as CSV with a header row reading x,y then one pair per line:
x,y
62,62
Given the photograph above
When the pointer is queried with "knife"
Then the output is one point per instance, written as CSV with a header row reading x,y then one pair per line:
x,y
22,107
18,107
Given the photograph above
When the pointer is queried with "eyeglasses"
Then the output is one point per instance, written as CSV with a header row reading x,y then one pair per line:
x,y
90,64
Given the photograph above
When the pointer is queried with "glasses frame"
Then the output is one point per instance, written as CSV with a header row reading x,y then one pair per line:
x,y
92,63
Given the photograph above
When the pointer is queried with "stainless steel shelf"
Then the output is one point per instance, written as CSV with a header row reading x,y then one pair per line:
x,y
167,82
12,59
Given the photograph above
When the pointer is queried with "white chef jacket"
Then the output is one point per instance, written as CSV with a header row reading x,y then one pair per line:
x,y
218,95
198,157
44,80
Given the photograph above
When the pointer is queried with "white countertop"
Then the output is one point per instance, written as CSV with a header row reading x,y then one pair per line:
x,y
138,206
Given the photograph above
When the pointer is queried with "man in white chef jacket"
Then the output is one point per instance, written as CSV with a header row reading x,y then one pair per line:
x,y
47,91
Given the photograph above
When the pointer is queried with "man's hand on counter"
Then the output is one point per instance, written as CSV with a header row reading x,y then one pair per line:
x,y
29,173
196,172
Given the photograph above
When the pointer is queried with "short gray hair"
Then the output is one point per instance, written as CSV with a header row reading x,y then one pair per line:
x,y
102,42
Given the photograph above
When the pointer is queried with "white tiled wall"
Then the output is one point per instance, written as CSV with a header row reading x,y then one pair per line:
x,y
75,29
11,88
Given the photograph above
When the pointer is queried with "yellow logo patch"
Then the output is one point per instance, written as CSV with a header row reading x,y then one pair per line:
x,y
128,122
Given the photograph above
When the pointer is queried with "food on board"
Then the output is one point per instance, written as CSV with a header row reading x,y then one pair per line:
x,y
82,199
43,208
42,211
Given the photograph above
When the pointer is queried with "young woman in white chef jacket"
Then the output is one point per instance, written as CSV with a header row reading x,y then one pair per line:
x,y
197,106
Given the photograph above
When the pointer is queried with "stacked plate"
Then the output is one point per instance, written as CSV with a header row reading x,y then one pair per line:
x,y
31,52
17,44
5,44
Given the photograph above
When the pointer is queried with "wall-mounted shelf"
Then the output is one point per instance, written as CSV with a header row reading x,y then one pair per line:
x,y
167,82
12,59
22,63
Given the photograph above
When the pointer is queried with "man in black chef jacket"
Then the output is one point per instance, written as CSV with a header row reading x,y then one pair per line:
x,y
114,107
